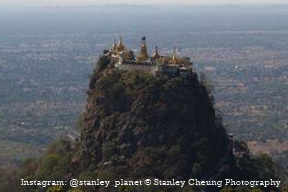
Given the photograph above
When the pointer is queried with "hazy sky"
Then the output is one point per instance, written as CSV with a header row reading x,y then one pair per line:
x,y
143,2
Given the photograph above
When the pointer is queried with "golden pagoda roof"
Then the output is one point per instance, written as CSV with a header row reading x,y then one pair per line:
x,y
156,54
120,45
143,54
114,46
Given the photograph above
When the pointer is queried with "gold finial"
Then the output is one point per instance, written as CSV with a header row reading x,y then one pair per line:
x,y
174,54
143,54
120,46
114,46
156,54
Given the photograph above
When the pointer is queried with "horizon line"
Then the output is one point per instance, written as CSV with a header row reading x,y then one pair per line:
x,y
145,5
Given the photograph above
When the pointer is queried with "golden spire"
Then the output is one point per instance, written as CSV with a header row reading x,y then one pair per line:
x,y
156,54
143,54
174,57
120,45
114,46
174,54
120,40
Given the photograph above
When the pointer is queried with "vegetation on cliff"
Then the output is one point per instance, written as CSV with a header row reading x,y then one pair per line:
x,y
139,126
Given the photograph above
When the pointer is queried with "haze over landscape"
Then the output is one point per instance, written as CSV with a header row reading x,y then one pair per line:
x,y
20,3
47,55
76,105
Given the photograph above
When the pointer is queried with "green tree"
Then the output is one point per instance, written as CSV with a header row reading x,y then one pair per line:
x,y
55,189
196,170
256,190
227,189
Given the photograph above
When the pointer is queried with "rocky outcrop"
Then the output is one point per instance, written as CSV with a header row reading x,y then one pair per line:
x,y
149,126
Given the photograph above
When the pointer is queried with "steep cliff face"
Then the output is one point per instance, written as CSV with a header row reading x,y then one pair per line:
x,y
147,126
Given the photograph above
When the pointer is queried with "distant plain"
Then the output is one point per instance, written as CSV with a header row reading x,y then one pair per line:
x,y
47,54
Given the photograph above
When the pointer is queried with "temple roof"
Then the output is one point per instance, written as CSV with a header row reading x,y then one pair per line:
x,y
120,45
143,54
156,54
